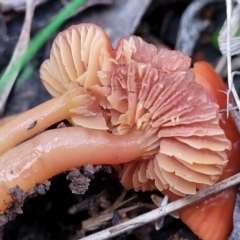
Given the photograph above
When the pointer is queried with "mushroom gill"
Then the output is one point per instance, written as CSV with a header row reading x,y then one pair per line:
x,y
155,92
79,54
81,57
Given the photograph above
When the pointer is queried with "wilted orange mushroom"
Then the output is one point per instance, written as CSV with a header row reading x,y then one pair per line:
x,y
80,60
153,111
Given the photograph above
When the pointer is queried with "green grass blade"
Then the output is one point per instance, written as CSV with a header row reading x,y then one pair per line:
x,y
36,43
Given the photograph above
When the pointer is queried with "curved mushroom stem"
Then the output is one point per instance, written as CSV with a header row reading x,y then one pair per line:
x,y
36,120
58,150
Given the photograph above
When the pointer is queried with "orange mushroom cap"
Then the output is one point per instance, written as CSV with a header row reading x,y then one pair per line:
x,y
135,88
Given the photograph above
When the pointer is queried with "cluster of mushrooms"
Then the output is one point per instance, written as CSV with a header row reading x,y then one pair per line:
x,y
133,105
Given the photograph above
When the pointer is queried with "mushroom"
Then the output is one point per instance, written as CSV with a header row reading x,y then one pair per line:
x,y
191,146
157,121
215,212
79,61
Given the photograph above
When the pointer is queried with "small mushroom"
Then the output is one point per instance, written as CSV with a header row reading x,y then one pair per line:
x,y
212,218
157,121
80,61
162,97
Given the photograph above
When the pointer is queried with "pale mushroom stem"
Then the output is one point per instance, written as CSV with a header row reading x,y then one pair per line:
x,y
36,120
58,150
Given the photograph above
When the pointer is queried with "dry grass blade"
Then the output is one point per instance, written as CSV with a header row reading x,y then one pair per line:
x,y
229,62
233,20
160,202
96,221
221,66
20,48
229,56
165,210
230,45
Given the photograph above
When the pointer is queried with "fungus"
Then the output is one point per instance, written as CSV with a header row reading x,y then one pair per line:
x,y
145,112
80,60
211,210
191,146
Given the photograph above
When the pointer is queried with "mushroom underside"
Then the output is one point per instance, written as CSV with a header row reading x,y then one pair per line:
x,y
136,88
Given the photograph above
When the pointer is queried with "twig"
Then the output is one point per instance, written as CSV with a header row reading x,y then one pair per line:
x,y
229,57
165,210
107,214
95,222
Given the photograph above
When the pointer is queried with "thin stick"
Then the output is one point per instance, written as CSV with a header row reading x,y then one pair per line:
x,y
163,211
229,57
